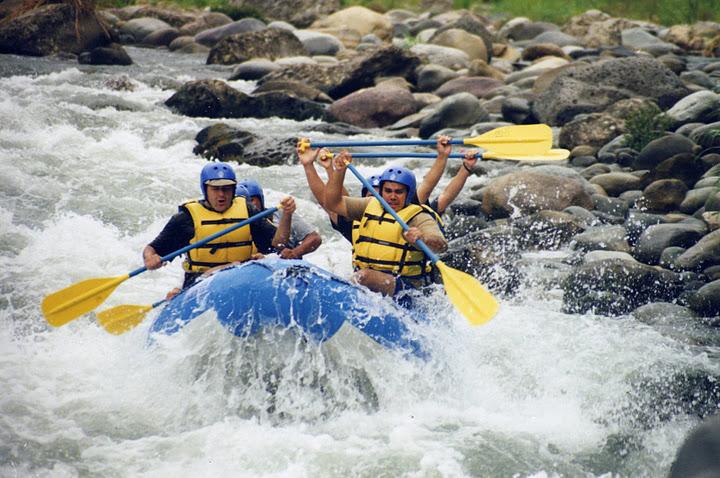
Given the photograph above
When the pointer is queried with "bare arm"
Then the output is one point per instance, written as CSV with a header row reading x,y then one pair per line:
x,y
425,228
333,191
433,176
282,234
457,182
309,243
151,258
307,157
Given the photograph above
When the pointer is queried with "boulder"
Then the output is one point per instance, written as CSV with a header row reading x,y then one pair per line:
x,y
594,87
374,107
455,111
472,45
616,287
301,13
270,43
704,253
215,99
360,72
51,29
476,85
113,54
593,129
360,19
699,455
656,238
660,149
213,35
528,191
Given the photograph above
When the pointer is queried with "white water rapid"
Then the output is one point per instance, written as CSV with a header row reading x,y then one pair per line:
x,y
90,174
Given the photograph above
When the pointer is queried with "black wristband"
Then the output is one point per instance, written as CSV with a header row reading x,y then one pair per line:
x,y
466,168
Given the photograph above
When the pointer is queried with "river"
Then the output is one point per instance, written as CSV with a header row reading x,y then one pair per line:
x,y
90,174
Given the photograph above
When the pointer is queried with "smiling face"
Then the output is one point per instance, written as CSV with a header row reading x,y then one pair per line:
x,y
395,194
220,197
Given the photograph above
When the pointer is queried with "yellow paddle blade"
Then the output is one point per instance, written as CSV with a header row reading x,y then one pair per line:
x,y
468,296
556,154
120,319
524,140
71,302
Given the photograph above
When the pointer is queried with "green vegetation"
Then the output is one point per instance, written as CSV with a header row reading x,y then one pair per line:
x,y
645,125
665,12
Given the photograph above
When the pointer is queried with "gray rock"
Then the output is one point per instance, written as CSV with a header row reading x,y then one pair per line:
x,y
640,39
616,287
269,43
701,106
592,88
657,238
317,43
706,301
529,191
555,38
374,107
695,199
253,69
699,455
704,253
477,85
139,28
616,183
660,149
213,35
430,77
664,195
462,109
602,238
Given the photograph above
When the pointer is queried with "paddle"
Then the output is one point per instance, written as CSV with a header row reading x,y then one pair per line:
x,y
516,139
549,155
118,320
67,304
468,296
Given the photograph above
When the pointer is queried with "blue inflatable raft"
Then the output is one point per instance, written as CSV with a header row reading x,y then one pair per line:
x,y
293,294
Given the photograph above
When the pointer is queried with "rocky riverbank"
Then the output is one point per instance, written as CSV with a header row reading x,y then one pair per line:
x,y
641,215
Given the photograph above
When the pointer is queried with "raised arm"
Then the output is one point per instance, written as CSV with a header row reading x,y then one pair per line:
x,y
282,234
307,157
333,191
457,182
431,179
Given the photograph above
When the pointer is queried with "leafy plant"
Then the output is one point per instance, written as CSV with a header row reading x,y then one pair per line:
x,y
644,125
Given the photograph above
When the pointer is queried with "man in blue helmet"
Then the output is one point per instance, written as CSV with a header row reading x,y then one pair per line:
x,y
218,210
303,238
385,257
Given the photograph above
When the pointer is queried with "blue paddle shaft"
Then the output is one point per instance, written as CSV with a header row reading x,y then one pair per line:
x,y
396,142
202,242
385,154
368,186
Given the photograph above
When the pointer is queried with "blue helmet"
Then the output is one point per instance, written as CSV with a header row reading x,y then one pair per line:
x,y
400,175
374,181
241,190
253,188
216,174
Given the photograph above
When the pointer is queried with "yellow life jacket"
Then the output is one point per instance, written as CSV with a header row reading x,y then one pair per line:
x,y
234,246
381,246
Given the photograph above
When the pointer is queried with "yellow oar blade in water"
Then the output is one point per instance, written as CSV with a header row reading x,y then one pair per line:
x,y
511,140
120,319
556,154
466,293
63,306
